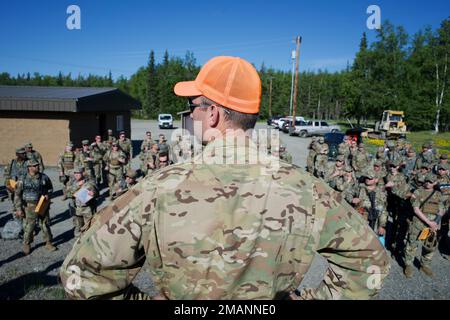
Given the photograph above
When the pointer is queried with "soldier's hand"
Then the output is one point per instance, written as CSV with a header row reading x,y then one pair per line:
x,y
433,226
356,200
81,182
381,231
19,213
91,193
106,168
390,184
46,197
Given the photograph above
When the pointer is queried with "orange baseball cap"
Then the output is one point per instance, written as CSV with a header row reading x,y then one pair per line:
x,y
229,81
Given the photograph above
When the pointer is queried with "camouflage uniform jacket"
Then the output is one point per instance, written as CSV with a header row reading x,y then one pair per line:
x,y
112,158
126,147
401,187
445,180
431,207
428,158
31,188
360,160
210,231
336,181
98,150
409,167
84,159
380,203
15,170
146,145
66,161
394,155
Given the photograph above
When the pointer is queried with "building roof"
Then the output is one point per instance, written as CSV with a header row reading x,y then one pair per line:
x,y
65,99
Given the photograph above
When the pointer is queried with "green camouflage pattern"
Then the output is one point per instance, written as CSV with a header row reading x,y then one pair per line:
x,y
209,231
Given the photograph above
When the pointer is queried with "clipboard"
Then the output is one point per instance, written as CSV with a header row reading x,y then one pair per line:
x,y
42,206
82,195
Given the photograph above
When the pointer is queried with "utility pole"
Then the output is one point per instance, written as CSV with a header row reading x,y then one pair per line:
x,y
270,98
294,104
292,81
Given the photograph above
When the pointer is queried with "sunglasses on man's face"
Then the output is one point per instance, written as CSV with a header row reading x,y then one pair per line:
x,y
192,106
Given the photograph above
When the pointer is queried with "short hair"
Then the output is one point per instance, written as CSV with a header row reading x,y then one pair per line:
x,y
240,120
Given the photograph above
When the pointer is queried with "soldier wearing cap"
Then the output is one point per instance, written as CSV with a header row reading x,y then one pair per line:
x,y
241,231
127,147
29,190
429,208
349,187
381,154
443,159
85,159
321,161
146,145
84,210
336,173
311,155
418,179
66,164
360,160
33,154
399,192
372,202
392,154
380,171
426,156
151,160
115,160
110,139
16,169
443,180
98,150
409,163
125,184
344,149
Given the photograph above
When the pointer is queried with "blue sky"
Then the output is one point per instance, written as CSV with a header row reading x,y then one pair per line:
x,y
118,35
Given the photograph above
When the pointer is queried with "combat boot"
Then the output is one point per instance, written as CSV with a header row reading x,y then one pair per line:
x,y
49,246
427,271
26,249
408,271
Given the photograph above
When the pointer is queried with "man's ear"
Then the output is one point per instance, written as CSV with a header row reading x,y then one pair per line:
x,y
214,116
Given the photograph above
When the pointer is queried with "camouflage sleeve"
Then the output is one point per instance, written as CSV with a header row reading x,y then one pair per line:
x,y
18,203
401,188
358,263
110,252
416,200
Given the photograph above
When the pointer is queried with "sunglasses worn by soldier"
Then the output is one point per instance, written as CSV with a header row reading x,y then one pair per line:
x,y
203,104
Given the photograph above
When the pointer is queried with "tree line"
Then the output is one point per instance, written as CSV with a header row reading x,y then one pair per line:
x,y
396,71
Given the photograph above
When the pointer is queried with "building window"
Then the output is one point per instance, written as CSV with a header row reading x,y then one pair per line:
x,y
119,123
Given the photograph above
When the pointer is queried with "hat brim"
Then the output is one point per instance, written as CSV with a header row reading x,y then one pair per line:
x,y
186,89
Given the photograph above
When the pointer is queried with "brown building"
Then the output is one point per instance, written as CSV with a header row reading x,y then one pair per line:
x,y
49,117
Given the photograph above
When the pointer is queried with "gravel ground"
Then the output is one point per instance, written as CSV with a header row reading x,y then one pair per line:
x,y
35,276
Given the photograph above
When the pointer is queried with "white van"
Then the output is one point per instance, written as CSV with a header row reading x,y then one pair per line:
x,y
165,121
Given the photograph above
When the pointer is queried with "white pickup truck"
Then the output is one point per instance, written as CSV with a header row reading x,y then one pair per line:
x,y
314,128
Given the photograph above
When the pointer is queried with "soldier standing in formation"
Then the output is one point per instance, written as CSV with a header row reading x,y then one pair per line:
x,y
321,161
86,160
146,144
360,160
33,154
98,150
150,160
66,164
16,170
83,210
29,190
110,139
115,161
127,148
429,208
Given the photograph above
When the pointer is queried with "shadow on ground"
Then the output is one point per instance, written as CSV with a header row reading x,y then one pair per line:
x,y
17,288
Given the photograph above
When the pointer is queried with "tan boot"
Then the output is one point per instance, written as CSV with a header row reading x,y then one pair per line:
x,y
26,249
408,271
49,246
427,271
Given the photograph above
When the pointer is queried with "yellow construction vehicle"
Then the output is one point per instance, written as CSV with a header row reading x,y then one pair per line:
x,y
392,124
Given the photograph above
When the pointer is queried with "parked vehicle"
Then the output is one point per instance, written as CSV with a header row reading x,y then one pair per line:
x,y
165,121
287,125
281,121
314,128
271,121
